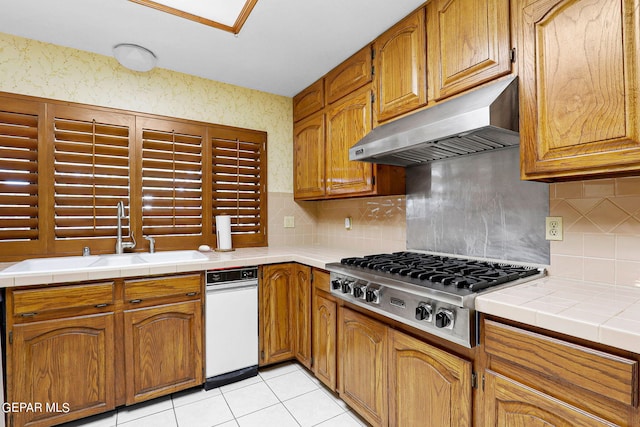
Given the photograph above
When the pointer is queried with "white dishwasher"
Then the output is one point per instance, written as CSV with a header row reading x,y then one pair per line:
x,y
231,326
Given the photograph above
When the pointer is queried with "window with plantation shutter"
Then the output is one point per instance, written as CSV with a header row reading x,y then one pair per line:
x,y
172,180
91,172
18,171
239,182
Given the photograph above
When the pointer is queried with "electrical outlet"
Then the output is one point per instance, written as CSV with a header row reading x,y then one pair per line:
x,y
553,229
348,223
289,222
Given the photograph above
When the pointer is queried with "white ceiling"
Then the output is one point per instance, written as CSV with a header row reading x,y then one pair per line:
x,y
284,46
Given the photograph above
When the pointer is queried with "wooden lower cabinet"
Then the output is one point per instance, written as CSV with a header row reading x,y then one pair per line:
x,y
533,379
162,351
511,404
285,313
427,386
302,314
363,365
81,349
64,365
324,331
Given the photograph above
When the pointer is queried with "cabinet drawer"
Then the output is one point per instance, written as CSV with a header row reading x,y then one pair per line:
x,y
352,74
161,287
596,371
321,280
41,300
308,101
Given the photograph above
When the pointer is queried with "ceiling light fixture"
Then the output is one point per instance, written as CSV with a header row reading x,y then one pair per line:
x,y
134,57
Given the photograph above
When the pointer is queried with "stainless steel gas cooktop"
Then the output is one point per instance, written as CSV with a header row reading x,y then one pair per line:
x,y
431,292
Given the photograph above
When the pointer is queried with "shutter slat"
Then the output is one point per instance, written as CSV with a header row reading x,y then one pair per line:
x,y
84,159
182,231
150,164
121,193
88,148
24,143
88,181
97,169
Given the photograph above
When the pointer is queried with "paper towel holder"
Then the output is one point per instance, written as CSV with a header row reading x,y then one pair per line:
x,y
223,225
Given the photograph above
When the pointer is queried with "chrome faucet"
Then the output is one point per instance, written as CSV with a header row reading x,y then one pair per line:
x,y
152,244
120,245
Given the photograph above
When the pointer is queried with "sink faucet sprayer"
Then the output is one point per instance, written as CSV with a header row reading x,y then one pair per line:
x,y
120,245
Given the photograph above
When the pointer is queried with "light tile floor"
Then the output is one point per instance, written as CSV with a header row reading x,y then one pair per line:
x,y
280,396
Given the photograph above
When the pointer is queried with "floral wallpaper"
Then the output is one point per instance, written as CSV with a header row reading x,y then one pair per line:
x,y
34,68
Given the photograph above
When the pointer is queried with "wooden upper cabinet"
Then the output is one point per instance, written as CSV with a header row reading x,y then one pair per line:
x,y
308,101
400,67
309,157
579,88
348,121
352,74
468,43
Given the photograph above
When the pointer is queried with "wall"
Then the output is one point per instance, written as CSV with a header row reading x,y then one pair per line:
x,y
378,223
601,220
41,69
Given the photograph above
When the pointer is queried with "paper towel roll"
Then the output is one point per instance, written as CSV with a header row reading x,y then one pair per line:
x,y
223,232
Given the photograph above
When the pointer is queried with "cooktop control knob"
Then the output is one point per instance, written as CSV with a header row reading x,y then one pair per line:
x,y
336,284
346,286
359,291
444,318
373,296
424,312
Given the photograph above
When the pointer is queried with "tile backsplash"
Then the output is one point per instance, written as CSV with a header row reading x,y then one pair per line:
x,y
601,220
378,223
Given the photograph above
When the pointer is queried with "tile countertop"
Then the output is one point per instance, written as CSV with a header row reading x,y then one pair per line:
x,y
605,314
312,256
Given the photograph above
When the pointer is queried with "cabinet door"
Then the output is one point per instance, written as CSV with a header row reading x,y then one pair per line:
x,y
348,121
427,385
65,363
353,73
275,296
508,404
163,349
580,88
400,67
324,338
468,43
302,314
363,366
309,158
308,101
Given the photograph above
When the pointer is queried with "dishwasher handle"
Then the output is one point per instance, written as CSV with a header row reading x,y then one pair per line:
x,y
231,285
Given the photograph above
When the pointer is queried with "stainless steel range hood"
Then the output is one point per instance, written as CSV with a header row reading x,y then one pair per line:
x,y
483,119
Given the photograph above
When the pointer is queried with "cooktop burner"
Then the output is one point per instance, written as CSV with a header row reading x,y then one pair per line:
x,y
457,272
432,292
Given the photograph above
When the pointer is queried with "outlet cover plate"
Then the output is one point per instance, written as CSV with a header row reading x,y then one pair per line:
x,y
289,222
553,228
